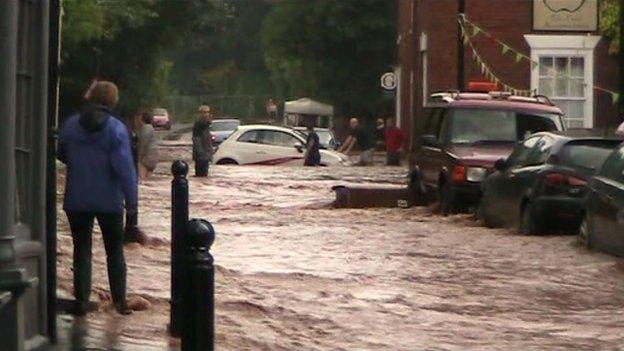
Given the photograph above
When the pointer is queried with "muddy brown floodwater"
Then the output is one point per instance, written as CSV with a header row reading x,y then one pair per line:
x,y
294,274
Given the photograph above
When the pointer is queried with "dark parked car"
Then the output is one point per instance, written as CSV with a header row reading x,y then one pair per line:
x,y
465,135
541,186
602,227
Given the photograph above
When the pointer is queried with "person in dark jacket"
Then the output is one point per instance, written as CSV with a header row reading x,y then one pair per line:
x,y
312,156
101,181
202,141
132,232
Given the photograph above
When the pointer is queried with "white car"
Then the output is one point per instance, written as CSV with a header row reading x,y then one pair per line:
x,y
269,145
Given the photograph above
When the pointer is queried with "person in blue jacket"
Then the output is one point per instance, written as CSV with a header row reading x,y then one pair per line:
x,y
101,181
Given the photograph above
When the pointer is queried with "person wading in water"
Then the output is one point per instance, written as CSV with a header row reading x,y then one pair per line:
x,y
101,180
312,156
202,141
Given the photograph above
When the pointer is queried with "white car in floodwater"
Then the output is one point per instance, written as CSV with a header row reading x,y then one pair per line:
x,y
269,145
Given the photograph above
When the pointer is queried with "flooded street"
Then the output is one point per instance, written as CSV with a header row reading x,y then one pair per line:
x,y
295,274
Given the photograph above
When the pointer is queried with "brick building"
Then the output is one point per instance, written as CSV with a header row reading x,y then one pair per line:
x,y
430,47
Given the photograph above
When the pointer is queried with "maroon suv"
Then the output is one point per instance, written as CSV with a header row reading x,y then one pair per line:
x,y
463,134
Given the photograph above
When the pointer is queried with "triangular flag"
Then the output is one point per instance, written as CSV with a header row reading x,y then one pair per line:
x,y
533,64
505,49
474,55
482,68
518,57
466,38
615,97
475,30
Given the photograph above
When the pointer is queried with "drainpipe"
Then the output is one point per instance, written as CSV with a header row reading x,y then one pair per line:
x,y
8,81
12,277
461,84
53,90
621,61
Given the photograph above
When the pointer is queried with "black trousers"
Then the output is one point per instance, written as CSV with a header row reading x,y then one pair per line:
x,y
201,168
81,224
313,160
131,232
394,158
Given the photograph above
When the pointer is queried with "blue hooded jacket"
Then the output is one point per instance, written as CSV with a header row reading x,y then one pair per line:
x,y
95,146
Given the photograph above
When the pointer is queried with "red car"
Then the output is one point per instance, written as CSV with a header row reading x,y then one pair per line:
x,y
161,119
463,134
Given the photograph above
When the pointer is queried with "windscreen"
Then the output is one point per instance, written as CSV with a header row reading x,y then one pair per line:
x,y
218,126
159,111
469,126
324,138
588,155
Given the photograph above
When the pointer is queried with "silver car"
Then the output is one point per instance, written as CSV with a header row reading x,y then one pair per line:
x,y
222,128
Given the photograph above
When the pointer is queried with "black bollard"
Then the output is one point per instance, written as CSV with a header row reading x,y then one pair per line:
x,y
179,219
198,332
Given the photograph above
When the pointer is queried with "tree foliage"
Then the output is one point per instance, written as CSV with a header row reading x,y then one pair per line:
x,y
228,60
334,51
125,41
331,50
610,23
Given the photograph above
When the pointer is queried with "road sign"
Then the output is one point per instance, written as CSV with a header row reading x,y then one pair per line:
x,y
388,81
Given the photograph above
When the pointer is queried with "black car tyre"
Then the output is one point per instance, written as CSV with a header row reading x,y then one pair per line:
x,y
530,221
585,233
447,200
417,187
482,214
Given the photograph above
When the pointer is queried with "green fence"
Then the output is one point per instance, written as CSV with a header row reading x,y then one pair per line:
x,y
245,107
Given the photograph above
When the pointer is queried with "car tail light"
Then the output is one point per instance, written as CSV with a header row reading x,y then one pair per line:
x,y
459,174
576,181
562,179
213,137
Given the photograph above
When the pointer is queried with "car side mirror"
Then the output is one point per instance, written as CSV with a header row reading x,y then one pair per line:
x,y
501,164
430,140
299,147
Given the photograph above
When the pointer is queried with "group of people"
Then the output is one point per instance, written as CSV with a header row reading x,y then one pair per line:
x,y
105,158
389,136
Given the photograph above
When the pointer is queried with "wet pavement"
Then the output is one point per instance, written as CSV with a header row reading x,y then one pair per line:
x,y
295,274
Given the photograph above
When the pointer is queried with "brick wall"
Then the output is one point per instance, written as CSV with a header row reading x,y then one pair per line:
x,y
509,21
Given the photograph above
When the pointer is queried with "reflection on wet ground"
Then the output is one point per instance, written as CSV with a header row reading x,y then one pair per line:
x,y
294,274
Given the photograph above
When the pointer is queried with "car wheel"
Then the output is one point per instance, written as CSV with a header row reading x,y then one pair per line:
x,y
227,161
530,223
482,214
447,200
417,188
585,233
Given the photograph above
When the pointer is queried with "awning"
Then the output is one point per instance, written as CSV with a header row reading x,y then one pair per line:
x,y
306,106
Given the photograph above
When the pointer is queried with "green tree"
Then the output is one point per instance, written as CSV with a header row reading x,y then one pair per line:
x,y
334,51
610,23
125,41
228,59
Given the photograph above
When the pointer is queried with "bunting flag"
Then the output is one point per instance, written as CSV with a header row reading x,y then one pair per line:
x,y
534,65
615,97
475,30
519,56
505,49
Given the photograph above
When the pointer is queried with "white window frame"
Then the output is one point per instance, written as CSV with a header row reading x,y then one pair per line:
x,y
567,46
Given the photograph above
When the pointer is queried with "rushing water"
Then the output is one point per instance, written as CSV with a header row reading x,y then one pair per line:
x,y
295,274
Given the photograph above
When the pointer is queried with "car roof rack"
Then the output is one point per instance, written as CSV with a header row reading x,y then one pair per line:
x,y
455,95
